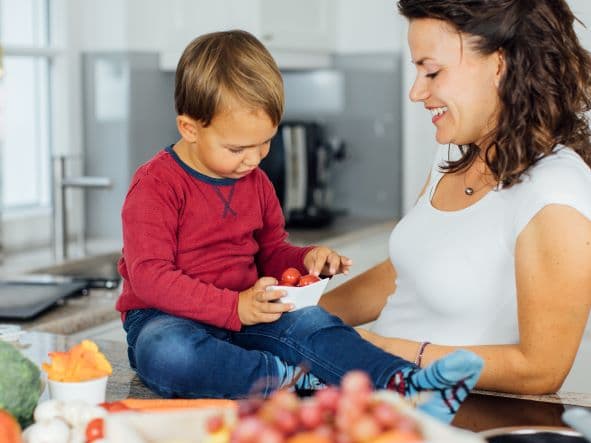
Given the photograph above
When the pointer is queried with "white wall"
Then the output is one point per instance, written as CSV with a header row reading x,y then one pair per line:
x,y
419,144
582,9
362,28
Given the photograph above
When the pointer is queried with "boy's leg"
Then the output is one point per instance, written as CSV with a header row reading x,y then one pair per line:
x,y
330,349
177,357
323,343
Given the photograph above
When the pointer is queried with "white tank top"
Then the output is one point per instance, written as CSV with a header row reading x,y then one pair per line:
x,y
455,270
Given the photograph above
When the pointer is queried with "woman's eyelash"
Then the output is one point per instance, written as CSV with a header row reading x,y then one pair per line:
x,y
432,74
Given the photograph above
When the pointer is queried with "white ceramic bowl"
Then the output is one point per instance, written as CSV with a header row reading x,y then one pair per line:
x,y
91,391
303,296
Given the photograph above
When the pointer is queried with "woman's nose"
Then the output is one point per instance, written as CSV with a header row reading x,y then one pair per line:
x,y
418,91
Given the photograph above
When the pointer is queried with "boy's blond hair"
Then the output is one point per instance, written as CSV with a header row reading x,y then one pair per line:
x,y
219,68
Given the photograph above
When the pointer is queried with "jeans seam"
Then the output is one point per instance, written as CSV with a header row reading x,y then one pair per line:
x,y
268,387
293,345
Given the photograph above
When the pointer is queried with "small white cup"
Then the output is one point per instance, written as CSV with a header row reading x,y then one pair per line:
x,y
303,296
91,391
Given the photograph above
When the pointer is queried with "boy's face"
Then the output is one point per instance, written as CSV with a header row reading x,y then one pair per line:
x,y
234,144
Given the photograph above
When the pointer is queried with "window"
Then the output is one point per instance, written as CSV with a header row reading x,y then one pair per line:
x,y
25,129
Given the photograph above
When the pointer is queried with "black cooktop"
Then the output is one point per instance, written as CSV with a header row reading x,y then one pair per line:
x,y
24,300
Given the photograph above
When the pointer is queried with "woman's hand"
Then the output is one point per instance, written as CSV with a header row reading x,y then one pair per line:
x,y
257,305
325,261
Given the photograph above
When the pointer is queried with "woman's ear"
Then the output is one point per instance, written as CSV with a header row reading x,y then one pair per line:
x,y
187,128
501,66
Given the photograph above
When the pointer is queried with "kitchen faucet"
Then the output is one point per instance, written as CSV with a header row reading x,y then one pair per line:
x,y
63,183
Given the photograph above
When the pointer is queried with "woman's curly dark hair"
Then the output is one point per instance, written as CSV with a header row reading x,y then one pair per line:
x,y
546,88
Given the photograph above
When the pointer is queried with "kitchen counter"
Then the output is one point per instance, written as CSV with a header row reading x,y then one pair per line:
x,y
481,411
75,313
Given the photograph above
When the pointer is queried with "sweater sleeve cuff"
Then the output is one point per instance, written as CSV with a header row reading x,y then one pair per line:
x,y
233,320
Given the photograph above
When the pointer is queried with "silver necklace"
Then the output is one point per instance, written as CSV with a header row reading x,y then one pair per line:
x,y
469,190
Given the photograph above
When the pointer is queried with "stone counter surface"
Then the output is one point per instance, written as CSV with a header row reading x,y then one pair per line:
x,y
75,314
482,410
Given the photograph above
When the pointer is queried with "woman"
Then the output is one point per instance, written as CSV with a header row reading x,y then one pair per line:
x,y
495,256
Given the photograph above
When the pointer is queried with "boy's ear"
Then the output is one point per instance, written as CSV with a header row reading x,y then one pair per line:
x,y
187,128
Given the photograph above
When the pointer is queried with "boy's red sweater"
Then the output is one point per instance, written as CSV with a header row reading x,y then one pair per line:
x,y
191,243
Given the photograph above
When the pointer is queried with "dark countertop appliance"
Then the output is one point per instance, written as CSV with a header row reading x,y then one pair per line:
x,y
298,164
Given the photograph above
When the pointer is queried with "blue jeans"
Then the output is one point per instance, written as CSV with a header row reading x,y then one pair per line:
x,y
179,357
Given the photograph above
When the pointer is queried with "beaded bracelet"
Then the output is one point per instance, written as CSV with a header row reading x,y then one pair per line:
x,y
420,352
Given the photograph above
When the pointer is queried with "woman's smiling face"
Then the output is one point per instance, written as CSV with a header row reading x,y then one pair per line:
x,y
458,85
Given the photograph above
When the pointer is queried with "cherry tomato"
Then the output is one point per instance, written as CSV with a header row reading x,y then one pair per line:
x,y
114,406
290,277
308,280
94,430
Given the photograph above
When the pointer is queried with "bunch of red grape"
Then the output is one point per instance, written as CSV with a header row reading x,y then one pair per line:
x,y
293,277
346,415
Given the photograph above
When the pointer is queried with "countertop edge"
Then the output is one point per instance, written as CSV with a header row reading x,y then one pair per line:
x,y
565,398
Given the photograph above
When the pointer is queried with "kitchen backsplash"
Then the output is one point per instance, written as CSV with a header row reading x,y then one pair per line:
x,y
357,102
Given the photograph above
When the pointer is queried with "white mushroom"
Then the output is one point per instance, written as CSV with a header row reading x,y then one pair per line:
x,y
49,409
53,430
75,412
92,412
77,435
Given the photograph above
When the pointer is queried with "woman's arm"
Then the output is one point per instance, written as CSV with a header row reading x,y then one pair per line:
x,y
553,277
362,298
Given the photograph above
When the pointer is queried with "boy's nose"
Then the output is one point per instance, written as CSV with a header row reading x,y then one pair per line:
x,y
253,157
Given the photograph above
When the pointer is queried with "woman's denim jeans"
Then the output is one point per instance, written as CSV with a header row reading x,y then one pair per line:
x,y
178,357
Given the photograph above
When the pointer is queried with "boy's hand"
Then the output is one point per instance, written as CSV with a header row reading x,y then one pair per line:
x,y
257,305
325,261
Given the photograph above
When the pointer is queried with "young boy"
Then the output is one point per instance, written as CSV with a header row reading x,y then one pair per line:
x,y
202,224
